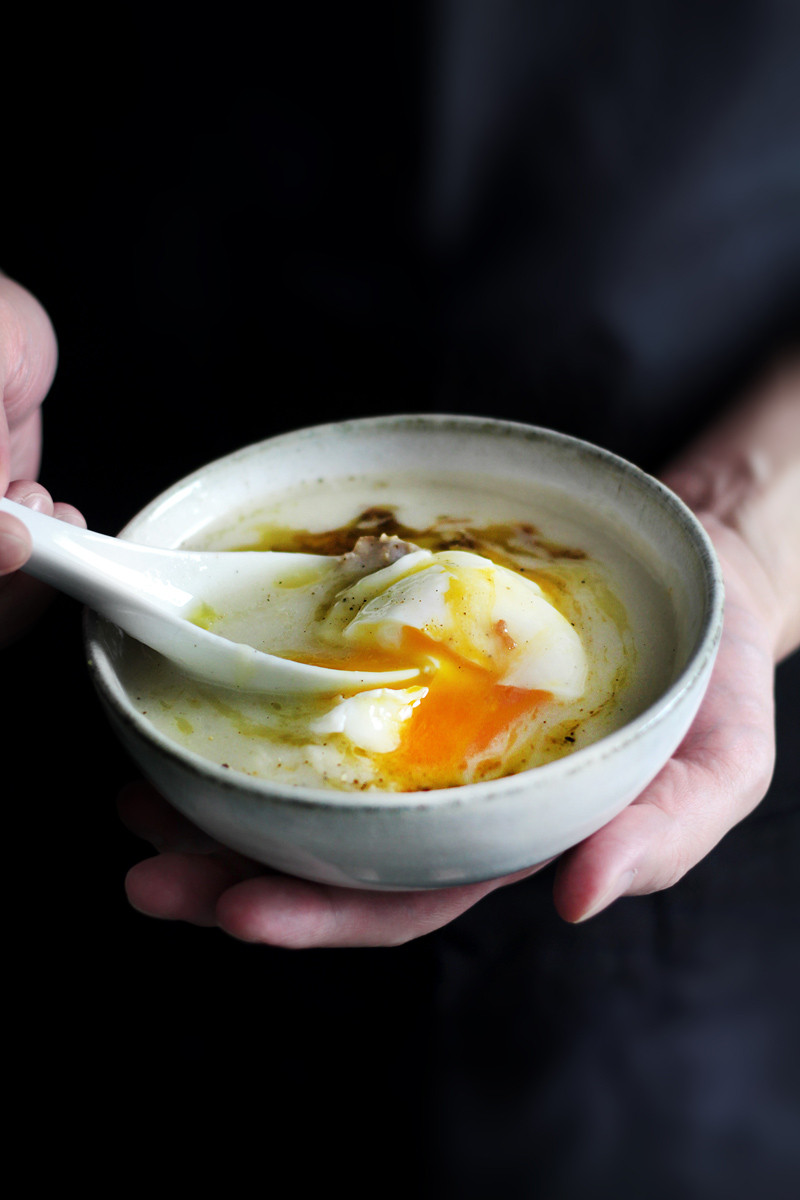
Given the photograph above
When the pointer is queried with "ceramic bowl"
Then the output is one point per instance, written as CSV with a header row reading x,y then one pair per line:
x,y
482,830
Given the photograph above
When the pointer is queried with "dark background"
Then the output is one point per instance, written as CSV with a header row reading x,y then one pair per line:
x,y
583,216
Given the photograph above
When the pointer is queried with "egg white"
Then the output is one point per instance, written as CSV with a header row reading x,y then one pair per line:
x,y
483,612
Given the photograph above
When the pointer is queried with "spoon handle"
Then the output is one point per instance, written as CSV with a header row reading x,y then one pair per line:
x,y
138,588
93,568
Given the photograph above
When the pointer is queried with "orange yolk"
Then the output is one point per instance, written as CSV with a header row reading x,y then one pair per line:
x,y
466,714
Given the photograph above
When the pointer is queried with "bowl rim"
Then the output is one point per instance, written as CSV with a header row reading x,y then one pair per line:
x,y
542,777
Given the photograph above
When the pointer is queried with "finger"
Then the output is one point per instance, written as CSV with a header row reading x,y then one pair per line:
x,y
147,814
28,352
282,911
644,849
196,880
718,776
25,447
28,357
69,514
254,905
32,495
183,887
15,544
15,541
184,882
22,598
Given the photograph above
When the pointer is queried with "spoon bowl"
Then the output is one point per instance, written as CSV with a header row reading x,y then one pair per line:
x,y
157,596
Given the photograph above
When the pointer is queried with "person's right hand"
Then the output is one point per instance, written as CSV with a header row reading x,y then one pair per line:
x,y
28,356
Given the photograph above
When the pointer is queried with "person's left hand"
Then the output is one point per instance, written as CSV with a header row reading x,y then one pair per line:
x,y
718,774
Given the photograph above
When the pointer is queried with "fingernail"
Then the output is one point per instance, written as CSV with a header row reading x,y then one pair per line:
x,y
617,889
35,501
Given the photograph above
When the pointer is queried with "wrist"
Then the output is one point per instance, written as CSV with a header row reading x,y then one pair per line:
x,y
743,477
750,591
751,511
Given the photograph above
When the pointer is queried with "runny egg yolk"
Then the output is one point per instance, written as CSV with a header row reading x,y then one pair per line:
x,y
465,714
490,651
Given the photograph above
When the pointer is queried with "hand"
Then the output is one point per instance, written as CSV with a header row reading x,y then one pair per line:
x,y
195,879
719,774
743,478
27,364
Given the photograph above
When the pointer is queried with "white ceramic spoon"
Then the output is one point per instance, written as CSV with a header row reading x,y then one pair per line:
x,y
153,593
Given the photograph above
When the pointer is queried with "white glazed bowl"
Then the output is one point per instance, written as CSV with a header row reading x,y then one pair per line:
x,y
457,835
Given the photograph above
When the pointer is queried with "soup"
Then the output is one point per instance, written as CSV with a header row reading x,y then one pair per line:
x,y
528,636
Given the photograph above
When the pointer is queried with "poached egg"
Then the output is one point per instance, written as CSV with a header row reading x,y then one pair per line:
x,y
490,648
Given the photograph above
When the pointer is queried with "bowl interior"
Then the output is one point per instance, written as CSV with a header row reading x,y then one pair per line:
x,y
665,570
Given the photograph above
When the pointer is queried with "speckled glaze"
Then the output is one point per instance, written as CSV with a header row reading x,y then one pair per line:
x,y
458,835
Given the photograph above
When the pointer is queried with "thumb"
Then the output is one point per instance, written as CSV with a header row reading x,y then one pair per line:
x,y
28,357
